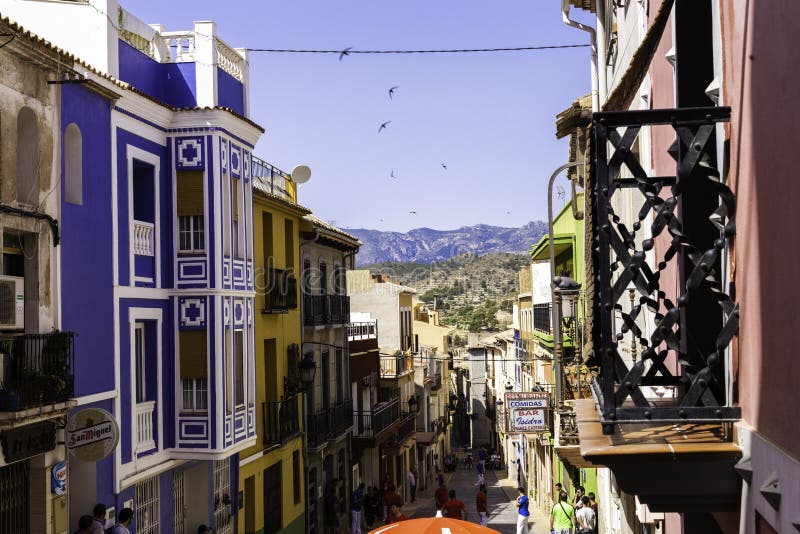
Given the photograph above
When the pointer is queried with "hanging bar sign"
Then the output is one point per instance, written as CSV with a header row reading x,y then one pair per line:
x,y
527,412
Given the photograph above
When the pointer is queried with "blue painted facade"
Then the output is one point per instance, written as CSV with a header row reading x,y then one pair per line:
x,y
129,292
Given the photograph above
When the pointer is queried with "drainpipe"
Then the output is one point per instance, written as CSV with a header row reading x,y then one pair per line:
x,y
565,8
555,320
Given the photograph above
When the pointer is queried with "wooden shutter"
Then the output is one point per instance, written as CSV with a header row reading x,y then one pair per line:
x,y
190,193
193,354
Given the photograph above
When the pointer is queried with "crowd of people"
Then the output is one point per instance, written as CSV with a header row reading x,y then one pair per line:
x,y
96,523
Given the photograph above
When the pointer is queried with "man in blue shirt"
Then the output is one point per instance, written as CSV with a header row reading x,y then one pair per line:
x,y
522,512
355,509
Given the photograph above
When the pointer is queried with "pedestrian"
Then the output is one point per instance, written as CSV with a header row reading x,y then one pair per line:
x,y
395,515
585,517
412,484
330,508
85,525
356,505
99,519
559,488
481,505
454,507
580,491
441,496
371,506
522,511
480,481
593,504
439,477
392,497
203,529
482,457
124,519
562,517
468,461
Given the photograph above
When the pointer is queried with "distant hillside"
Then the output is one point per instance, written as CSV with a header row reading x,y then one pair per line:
x,y
468,289
425,245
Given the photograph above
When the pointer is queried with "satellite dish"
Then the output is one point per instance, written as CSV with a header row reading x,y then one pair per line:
x,y
301,174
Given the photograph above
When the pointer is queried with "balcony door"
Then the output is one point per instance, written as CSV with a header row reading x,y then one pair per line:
x,y
273,503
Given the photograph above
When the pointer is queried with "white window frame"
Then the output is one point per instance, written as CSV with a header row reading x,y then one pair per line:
x,y
196,233
135,153
197,389
140,362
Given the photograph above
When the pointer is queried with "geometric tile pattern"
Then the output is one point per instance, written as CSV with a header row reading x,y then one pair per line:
x,y
226,311
189,153
236,161
223,155
192,313
238,313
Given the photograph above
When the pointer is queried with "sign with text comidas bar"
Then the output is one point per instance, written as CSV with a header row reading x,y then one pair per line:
x,y
527,412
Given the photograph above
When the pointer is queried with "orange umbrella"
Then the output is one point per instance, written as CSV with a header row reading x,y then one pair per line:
x,y
434,525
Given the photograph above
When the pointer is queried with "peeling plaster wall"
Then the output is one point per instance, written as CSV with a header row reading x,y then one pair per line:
x,y
23,84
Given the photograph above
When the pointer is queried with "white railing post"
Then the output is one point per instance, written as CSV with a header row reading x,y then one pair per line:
x,y
145,440
143,238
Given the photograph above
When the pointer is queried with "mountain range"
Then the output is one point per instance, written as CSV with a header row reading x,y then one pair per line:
x,y
426,245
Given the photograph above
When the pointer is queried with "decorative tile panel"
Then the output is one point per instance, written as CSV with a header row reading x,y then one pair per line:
x,y
192,272
249,304
239,424
223,155
238,313
249,275
251,421
236,161
193,429
246,166
226,311
228,429
239,275
192,313
226,273
189,153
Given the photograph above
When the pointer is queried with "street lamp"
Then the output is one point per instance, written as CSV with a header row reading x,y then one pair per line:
x,y
566,292
308,370
413,404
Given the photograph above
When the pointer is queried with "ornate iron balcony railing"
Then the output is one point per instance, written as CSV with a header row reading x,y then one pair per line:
x,y
370,424
280,291
36,370
281,420
684,225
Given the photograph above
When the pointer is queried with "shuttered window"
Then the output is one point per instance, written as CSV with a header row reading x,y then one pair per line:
x,y
193,353
190,193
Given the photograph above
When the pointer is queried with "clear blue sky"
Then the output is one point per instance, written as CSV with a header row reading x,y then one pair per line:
x,y
489,117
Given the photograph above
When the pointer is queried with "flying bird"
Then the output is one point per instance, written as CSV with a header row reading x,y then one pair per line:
x,y
444,166
412,212
345,52
384,125
393,176
508,213
391,91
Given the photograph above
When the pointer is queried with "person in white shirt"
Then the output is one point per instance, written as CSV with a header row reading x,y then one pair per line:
x,y
585,517
412,484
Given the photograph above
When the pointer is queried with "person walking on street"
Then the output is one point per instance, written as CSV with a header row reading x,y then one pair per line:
x,y
562,517
522,512
441,496
585,517
481,505
412,484
356,505
454,507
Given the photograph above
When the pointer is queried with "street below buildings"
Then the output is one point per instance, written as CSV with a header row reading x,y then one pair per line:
x,y
501,495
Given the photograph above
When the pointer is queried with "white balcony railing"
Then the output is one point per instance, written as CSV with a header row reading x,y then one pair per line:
x,y
143,238
145,440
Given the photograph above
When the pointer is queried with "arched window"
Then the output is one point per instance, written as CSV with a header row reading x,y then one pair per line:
x,y
27,157
73,165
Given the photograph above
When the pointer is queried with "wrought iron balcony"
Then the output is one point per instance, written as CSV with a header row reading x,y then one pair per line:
x,y
342,418
407,427
280,291
36,370
318,428
314,310
338,309
370,424
542,316
678,339
270,179
281,420
436,382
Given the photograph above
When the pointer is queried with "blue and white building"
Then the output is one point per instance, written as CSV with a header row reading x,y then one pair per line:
x,y
156,259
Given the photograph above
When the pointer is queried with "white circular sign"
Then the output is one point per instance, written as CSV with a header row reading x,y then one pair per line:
x,y
92,434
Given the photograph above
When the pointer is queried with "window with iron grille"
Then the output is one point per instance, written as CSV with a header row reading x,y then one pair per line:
x,y
222,497
147,510
191,233
178,503
195,394
14,498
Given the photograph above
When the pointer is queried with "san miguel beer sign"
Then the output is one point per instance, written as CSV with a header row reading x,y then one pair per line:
x,y
527,412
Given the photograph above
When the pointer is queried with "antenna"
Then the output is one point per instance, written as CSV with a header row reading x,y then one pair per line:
x,y
301,174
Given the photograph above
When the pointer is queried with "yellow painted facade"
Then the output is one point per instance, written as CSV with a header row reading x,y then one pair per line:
x,y
428,331
276,225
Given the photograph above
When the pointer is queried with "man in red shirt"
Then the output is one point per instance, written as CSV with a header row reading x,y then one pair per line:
x,y
455,507
395,515
392,498
441,496
481,505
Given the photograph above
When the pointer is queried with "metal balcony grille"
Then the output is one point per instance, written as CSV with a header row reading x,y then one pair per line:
x,y
370,424
631,308
281,420
542,314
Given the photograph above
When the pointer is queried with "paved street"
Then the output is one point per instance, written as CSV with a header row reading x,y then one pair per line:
x,y
501,495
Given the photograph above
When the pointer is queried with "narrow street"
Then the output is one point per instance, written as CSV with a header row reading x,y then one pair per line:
x,y
501,496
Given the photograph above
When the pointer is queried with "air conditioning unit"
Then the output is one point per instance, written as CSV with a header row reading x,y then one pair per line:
x,y
12,303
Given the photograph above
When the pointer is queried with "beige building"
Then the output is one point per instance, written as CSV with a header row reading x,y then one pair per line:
x,y
429,332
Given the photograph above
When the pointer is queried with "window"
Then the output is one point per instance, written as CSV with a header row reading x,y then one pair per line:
x,y
341,383
27,157
238,244
306,277
139,354
323,278
288,242
239,348
193,369
296,475
195,394
191,233
147,509
73,165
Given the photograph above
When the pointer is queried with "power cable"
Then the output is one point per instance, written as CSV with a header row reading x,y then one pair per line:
x,y
431,51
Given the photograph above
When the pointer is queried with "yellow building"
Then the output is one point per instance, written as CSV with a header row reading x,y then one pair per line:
x,y
271,472
428,331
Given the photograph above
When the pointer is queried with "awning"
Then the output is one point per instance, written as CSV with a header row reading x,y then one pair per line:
x,y
425,438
